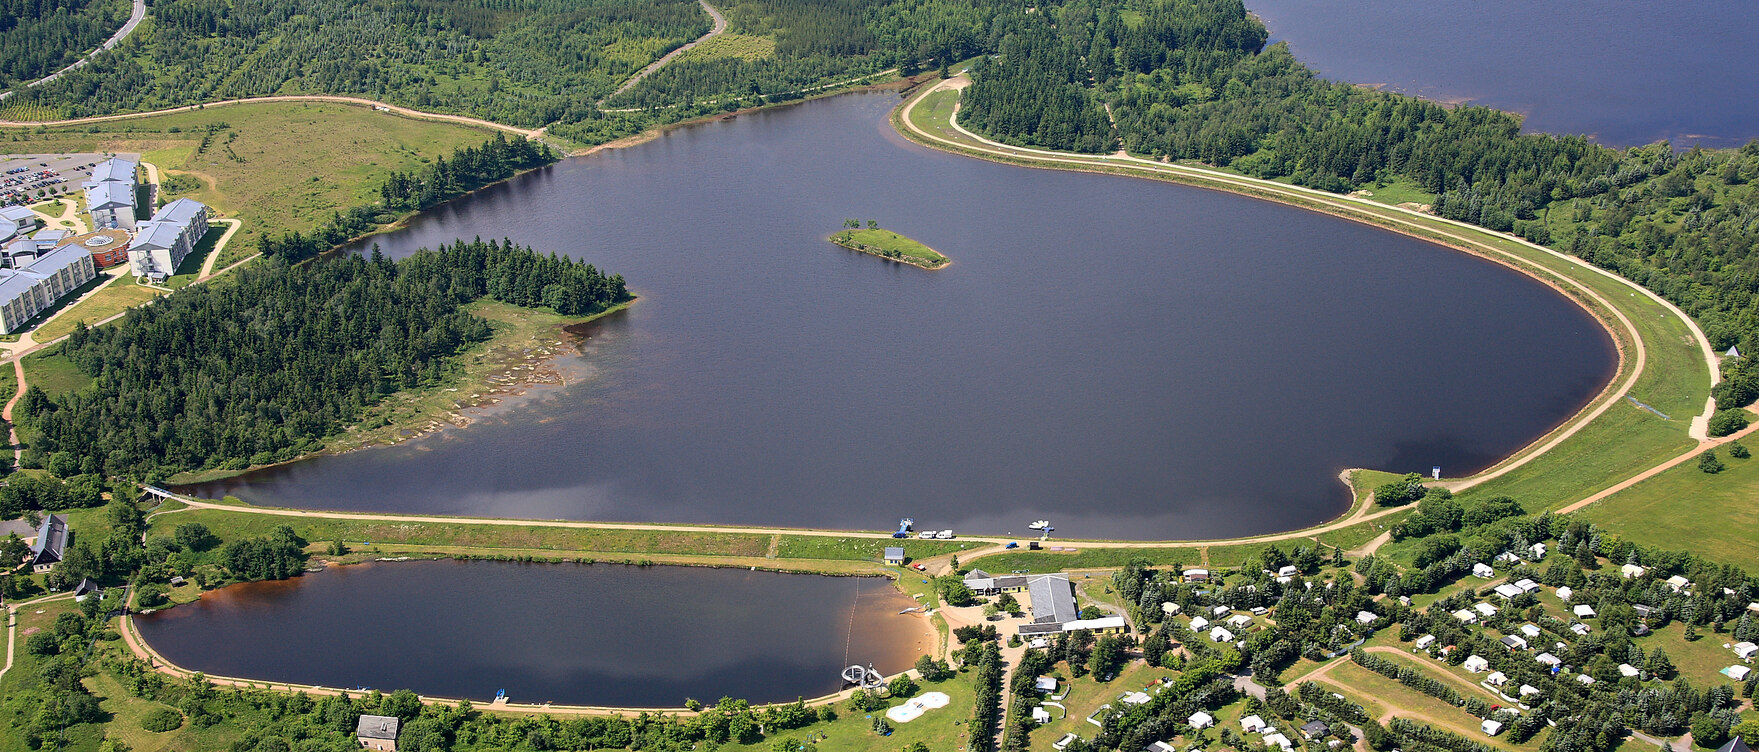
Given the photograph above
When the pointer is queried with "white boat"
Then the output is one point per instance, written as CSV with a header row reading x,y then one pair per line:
x,y
1040,525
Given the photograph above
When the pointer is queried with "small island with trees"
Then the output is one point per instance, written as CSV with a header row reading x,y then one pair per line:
x,y
888,245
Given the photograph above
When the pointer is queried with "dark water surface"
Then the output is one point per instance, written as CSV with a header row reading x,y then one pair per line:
x,y
1627,72
1129,359
571,634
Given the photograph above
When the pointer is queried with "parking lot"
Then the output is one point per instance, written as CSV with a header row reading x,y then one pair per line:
x,y
31,178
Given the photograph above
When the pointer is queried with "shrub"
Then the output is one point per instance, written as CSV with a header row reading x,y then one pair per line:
x,y
1709,463
1739,451
1725,422
162,720
151,595
195,536
1400,492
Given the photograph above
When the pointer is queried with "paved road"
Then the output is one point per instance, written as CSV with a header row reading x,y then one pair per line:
x,y
720,28
232,226
134,19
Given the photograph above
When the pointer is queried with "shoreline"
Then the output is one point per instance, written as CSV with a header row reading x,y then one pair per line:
x,y
421,425
137,644
1625,336
850,244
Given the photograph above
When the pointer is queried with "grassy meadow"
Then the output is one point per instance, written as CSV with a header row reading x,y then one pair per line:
x,y
278,166
888,244
1711,515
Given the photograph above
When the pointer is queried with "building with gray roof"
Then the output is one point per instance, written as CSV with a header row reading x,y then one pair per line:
x,y
51,543
984,583
111,205
42,275
15,221
1053,604
377,732
162,243
114,170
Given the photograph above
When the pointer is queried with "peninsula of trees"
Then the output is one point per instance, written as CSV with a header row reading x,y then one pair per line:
x,y
888,245
265,367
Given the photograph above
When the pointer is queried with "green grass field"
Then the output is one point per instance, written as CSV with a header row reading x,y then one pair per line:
x,y
53,373
1712,515
872,549
443,533
119,295
446,536
888,244
943,729
1399,192
1386,698
191,268
278,166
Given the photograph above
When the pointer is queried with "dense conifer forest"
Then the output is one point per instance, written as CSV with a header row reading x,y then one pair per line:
x,y
265,366
1193,80
522,62
39,37
818,42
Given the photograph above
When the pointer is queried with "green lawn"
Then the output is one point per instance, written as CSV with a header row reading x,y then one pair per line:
x,y
53,373
1714,513
191,268
116,296
888,244
446,533
871,549
1385,698
1083,696
1401,191
1699,660
449,536
943,730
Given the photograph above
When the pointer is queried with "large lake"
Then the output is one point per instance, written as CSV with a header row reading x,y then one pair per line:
x,y
1129,359
1627,72
566,633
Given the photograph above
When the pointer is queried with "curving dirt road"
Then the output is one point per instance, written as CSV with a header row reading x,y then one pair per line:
x,y
720,28
134,19
360,101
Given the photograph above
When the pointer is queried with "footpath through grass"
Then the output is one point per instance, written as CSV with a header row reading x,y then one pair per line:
x,y
1714,513
115,296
